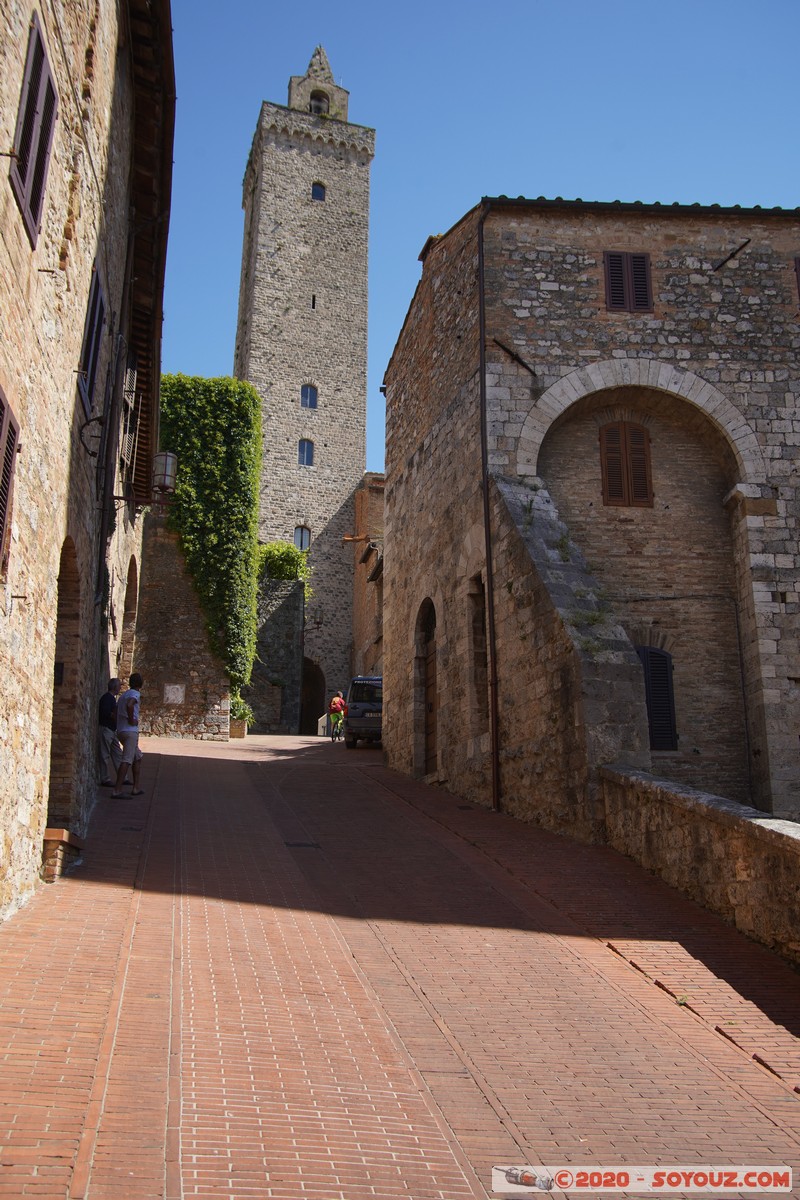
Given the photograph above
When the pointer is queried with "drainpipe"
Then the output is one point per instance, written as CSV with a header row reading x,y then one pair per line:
x,y
487,524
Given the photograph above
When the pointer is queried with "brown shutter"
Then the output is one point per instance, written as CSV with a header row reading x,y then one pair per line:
x,y
797,272
9,439
34,133
611,463
92,339
615,279
638,460
641,292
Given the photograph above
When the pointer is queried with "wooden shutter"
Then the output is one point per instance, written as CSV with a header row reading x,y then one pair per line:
x,y
92,340
641,293
797,273
628,284
625,465
640,489
9,440
33,136
660,697
615,280
612,464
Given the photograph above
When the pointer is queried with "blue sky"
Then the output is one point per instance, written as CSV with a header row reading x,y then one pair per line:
x,y
652,100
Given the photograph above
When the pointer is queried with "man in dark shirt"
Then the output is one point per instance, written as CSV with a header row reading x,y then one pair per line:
x,y
110,748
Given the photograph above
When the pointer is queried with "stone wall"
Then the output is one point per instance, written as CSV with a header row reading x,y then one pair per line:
x,y
368,577
186,693
276,685
60,614
730,858
708,572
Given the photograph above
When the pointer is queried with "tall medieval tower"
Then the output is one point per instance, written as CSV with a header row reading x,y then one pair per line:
x,y
302,342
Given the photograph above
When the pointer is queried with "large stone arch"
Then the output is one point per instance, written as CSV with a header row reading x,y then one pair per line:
x,y
645,373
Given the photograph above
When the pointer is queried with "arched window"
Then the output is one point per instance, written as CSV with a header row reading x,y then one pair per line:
x,y
319,104
318,191
305,453
308,396
302,537
657,666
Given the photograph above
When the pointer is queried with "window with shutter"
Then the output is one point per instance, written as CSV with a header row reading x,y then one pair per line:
x,y
797,273
302,537
9,441
628,284
625,465
33,135
657,665
305,453
92,341
308,396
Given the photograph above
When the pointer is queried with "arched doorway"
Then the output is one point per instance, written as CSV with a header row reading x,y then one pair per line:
x,y
425,692
128,638
66,693
312,704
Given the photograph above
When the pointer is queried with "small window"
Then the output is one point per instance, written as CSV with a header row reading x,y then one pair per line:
x,y
33,136
9,441
628,285
797,273
319,104
625,465
657,666
318,191
92,340
305,453
302,537
308,396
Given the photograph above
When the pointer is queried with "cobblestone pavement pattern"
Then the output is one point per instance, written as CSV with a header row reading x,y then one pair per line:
x,y
290,972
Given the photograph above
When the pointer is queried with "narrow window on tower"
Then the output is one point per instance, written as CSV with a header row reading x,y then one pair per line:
x,y
302,537
625,465
657,666
313,300
319,104
308,396
305,453
318,191
628,285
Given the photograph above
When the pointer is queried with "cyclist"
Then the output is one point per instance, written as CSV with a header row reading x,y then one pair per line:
x,y
336,709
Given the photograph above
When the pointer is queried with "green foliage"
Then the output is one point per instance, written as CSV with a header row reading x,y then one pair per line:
x,y
282,560
214,427
240,709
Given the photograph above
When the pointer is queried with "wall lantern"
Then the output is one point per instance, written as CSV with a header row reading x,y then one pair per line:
x,y
165,470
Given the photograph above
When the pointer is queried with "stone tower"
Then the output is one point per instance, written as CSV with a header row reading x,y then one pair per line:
x,y
302,342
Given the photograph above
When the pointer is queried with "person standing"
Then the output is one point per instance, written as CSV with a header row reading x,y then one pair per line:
x,y
109,746
128,734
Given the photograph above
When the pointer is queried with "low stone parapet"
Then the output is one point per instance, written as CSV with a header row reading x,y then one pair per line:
x,y
734,860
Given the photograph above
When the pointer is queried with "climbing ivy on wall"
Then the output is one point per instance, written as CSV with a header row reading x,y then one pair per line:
x,y
283,560
214,427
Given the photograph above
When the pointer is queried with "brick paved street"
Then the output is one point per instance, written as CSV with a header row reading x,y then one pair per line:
x,y
289,972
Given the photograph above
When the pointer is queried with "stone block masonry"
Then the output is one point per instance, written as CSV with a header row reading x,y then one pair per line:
x,y
186,692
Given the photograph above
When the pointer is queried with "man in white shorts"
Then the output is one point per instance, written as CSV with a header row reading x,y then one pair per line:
x,y
128,734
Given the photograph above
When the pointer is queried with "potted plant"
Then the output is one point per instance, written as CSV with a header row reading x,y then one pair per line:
x,y
241,716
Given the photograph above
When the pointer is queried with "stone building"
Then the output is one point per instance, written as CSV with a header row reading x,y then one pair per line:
x,y
302,342
87,113
592,513
368,577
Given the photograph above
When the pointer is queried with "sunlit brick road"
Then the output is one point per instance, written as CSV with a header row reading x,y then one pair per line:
x,y
288,972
